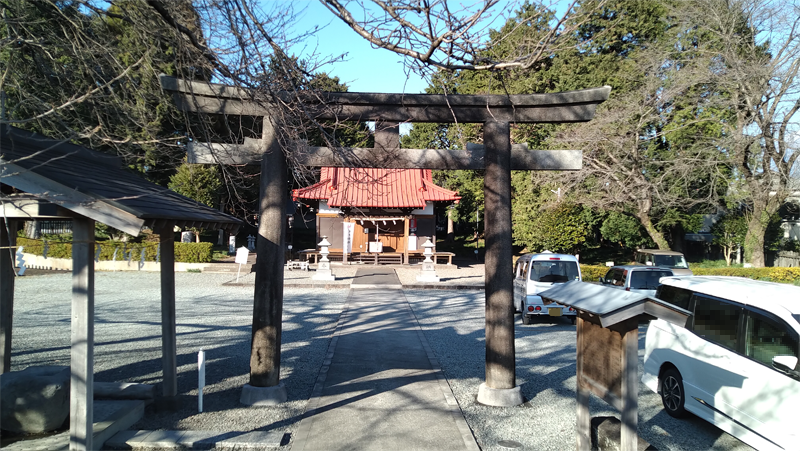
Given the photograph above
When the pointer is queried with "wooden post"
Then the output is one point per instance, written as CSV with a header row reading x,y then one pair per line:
x,y
169,351
344,243
8,233
405,234
630,389
265,353
584,421
81,417
500,358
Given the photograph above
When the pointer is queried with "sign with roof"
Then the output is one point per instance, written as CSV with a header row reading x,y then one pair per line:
x,y
607,348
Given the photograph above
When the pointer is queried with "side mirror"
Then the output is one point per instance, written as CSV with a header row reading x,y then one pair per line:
x,y
784,362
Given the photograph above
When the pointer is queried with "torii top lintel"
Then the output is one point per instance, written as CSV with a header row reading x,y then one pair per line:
x,y
571,106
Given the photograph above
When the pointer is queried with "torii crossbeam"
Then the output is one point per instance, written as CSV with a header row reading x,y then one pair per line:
x,y
497,156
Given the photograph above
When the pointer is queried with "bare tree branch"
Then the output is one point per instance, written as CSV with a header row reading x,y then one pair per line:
x,y
433,35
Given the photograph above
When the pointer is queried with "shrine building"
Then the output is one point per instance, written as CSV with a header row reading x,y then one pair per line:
x,y
380,215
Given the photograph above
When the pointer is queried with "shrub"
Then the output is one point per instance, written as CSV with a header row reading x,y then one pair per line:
x,y
193,252
184,252
777,274
591,273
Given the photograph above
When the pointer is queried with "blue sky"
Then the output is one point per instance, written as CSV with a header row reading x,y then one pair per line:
x,y
364,69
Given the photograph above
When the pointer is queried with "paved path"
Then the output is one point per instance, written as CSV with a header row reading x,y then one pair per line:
x,y
376,277
380,387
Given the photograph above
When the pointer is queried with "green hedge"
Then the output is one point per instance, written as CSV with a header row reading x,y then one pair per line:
x,y
184,252
193,252
778,274
591,273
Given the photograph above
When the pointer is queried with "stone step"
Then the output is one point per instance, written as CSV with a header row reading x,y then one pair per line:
x,y
228,268
110,417
132,439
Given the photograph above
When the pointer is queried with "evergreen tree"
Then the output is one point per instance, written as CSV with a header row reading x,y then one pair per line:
x,y
77,72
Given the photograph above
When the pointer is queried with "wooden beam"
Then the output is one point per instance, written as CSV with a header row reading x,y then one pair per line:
x,y
572,106
200,88
8,233
520,114
630,389
405,235
29,207
473,158
71,199
387,135
583,425
81,392
169,347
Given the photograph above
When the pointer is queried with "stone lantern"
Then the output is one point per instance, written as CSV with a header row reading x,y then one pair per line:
x,y
324,267
428,273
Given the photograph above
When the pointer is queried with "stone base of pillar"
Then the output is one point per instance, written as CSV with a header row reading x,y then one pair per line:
x,y
263,396
323,275
499,397
428,276
428,273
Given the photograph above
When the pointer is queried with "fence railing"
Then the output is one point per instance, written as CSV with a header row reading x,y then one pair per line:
x,y
787,259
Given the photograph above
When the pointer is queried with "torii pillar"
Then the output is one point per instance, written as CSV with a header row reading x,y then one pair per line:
x,y
500,387
498,157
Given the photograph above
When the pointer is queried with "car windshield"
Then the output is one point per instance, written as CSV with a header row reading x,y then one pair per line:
x,y
647,280
554,271
671,261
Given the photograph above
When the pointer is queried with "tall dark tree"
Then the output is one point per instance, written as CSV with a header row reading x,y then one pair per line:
x,y
75,71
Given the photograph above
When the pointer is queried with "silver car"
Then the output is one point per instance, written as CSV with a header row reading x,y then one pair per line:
x,y
636,278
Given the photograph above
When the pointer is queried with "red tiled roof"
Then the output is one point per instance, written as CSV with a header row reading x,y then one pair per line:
x,y
376,188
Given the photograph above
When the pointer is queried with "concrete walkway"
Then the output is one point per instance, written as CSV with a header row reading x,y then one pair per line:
x,y
376,277
380,387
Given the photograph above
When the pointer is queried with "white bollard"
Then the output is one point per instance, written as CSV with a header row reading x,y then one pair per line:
x,y
201,378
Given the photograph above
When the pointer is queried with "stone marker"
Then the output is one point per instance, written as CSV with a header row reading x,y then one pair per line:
x,y
34,400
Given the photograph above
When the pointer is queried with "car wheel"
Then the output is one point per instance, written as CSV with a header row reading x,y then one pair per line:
x,y
672,394
573,319
526,319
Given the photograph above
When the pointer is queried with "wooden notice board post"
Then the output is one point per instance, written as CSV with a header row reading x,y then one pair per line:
x,y
607,349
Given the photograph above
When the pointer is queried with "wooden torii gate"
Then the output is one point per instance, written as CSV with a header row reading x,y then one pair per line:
x,y
497,156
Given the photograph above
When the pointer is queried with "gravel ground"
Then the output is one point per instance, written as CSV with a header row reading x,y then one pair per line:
x,y
453,322
216,318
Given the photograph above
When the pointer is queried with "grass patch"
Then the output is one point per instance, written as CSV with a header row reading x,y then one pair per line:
x,y
219,253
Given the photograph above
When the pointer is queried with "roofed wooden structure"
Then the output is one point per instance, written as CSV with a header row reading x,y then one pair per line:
x,y
67,179
376,188
397,205
56,179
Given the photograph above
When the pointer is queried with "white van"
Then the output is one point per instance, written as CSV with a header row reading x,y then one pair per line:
x,y
735,363
534,273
